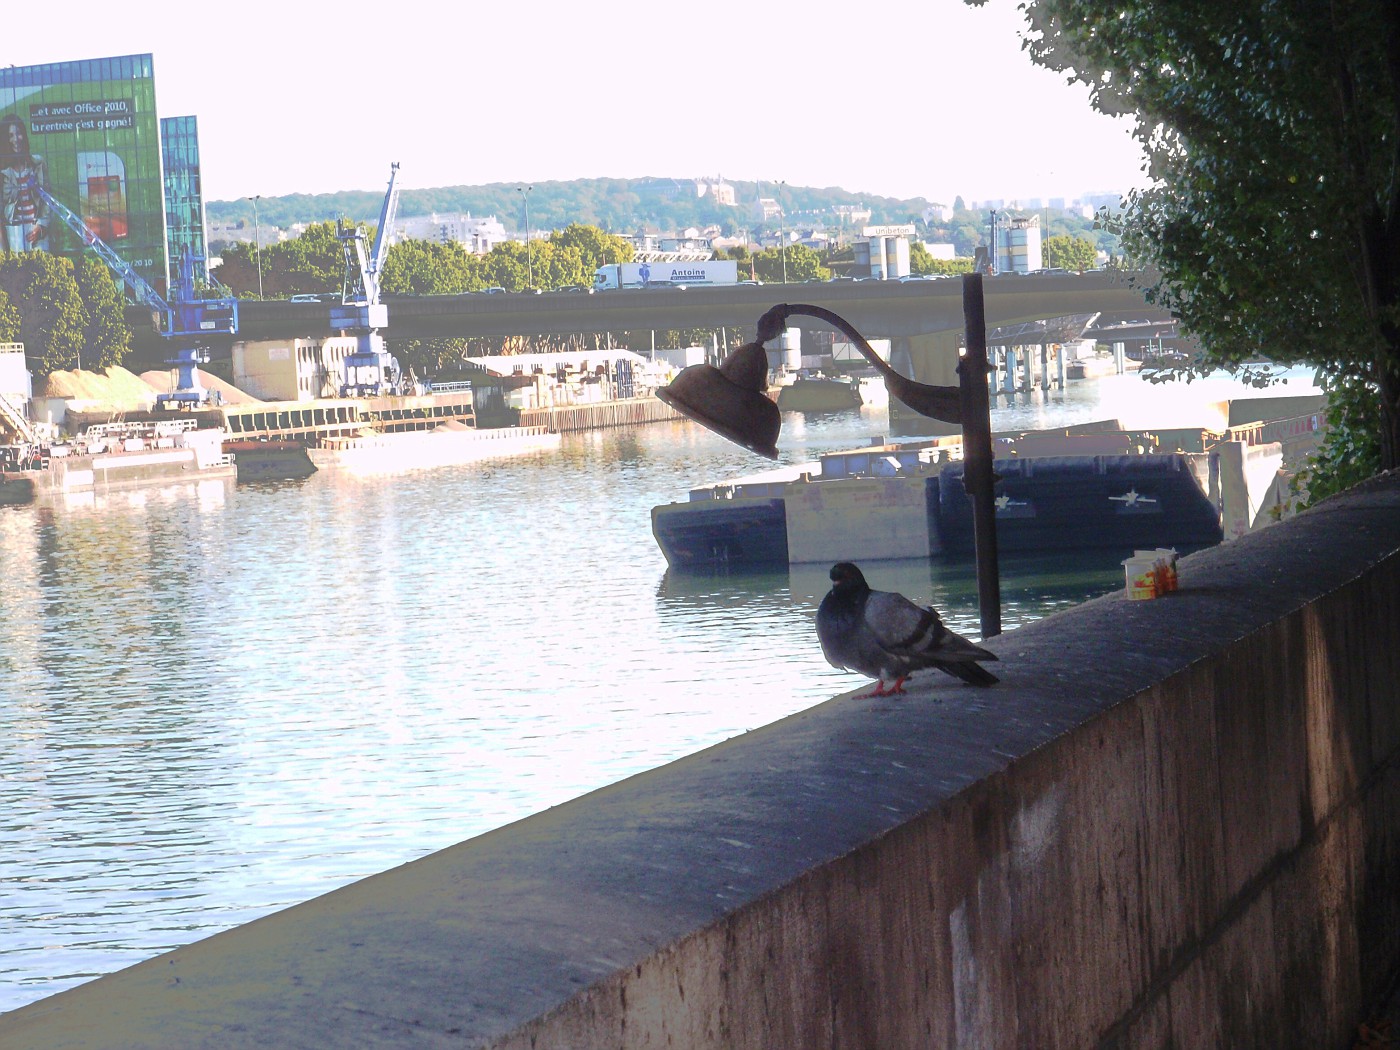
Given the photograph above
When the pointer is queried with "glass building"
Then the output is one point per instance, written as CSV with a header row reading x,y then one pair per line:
x,y
89,135
184,201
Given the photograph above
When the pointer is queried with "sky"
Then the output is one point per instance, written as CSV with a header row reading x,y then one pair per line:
x,y
896,98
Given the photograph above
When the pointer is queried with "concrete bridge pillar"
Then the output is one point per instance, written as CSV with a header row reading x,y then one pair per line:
x,y
930,358
1060,355
1008,379
1119,356
1027,369
1044,367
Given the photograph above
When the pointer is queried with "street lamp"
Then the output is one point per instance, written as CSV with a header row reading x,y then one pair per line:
x,y
524,192
782,232
730,400
257,241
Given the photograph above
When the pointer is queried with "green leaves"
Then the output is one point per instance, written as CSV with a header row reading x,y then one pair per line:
x,y
1272,128
52,315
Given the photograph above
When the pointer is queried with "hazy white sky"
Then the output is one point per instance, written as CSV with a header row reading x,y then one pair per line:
x,y
898,98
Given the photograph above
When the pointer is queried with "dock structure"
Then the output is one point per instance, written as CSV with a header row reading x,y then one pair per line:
x,y
1173,822
599,415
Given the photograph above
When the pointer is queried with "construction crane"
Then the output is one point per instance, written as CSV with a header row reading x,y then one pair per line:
x,y
369,368
188,322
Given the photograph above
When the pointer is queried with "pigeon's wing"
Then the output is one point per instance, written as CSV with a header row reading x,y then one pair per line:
x,y
898,625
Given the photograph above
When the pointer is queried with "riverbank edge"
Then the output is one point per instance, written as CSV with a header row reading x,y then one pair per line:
x,y
1174,821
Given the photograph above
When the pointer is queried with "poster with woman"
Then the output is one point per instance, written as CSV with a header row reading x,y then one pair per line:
x,y
22,172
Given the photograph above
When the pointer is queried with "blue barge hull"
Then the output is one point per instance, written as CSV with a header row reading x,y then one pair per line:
x,y
727,534
1119,503
1081,503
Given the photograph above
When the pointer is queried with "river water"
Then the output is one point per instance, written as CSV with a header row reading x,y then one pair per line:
x,y
220,700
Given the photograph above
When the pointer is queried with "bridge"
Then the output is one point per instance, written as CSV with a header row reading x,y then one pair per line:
x,y
909,314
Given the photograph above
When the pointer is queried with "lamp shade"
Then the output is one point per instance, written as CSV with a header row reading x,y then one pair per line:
x,y
730,399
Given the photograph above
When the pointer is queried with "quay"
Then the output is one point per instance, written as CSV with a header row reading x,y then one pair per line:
x,y
1174,822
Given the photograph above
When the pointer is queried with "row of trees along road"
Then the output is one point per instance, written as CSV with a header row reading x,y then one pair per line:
x,y
1271,129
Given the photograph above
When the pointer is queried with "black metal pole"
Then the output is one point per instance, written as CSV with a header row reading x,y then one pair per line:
x,y
978,479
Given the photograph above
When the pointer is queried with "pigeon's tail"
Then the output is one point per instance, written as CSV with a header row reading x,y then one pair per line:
x,y
969,672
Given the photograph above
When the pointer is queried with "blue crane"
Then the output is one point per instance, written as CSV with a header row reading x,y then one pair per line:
x,y
188,322
369,368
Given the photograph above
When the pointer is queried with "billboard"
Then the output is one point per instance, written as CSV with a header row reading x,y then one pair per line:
x,y
88,133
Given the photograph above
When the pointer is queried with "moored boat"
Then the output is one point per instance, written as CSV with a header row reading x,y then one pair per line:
x,y
908,501
449,444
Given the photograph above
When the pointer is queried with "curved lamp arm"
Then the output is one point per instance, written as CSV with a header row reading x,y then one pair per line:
x,y
732,399
937,402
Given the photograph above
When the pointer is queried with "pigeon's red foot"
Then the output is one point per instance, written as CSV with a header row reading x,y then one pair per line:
x,y
880,690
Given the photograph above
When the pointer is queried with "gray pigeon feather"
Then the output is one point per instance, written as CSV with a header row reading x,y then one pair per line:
x,y
883,635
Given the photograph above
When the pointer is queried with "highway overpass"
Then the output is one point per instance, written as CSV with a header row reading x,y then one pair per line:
x,y
878,309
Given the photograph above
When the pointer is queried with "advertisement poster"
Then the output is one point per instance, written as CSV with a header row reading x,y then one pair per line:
x,y
89,135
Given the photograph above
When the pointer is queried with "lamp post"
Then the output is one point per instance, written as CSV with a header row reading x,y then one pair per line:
x,y
257,241
524,192
782,232
730,400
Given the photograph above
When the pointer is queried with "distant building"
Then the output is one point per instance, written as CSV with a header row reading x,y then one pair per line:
x,y
884,252
766,209
717,190
938,213
854,214
291,369
477,235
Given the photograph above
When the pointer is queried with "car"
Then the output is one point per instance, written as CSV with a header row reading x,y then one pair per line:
x,y
530,291
497,290
751,283
578,289
304,299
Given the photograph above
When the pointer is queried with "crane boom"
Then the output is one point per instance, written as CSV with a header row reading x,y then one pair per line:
x,y
188,322
140,288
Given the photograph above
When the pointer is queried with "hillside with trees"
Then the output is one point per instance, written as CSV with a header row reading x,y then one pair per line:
x,y
665,205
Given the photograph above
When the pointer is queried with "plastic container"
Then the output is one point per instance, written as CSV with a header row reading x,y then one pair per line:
x,y
1141,576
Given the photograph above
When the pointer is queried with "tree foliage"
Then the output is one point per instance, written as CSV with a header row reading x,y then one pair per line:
x,y
1070,253
52,316
106,336
794,264
1272,131
9,319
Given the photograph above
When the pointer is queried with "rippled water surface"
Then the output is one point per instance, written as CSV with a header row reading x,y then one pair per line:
x,y
217,701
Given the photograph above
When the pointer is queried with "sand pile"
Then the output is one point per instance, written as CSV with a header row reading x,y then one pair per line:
x,y
121,390
163,382
115,387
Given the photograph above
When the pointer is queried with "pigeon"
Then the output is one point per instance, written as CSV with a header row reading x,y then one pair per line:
x,y
885,636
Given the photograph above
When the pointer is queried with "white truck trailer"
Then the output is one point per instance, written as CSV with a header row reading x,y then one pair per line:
x,y
665,274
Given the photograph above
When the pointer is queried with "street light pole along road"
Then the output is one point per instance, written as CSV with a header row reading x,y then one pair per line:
x,y
524,192
257,242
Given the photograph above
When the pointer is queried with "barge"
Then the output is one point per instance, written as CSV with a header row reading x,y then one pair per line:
x,y
908,501
115,456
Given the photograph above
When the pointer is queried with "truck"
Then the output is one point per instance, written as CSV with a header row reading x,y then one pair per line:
x,y
665,274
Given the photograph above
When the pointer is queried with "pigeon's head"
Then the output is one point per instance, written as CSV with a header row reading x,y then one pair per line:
x,y
843,572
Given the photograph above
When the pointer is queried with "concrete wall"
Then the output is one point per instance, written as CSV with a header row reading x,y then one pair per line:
x,y
1174,823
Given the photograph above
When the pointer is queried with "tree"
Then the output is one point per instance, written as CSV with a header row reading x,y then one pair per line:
x,y
1272,130
42,289
595,247
106,337
1070,253
9,319
797,263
